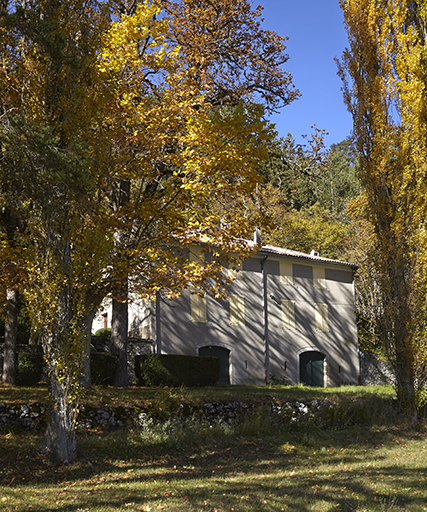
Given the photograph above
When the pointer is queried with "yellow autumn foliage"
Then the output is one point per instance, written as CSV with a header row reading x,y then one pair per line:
x,y
383,71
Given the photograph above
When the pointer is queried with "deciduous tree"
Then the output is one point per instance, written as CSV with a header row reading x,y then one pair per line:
x,y
383,71
169,98
50,99
297,171
11,280
198,95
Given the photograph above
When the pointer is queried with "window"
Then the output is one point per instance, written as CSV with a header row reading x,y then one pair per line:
x,y
319,280
198,308
321,312
237,310
288,314
286,273
196,254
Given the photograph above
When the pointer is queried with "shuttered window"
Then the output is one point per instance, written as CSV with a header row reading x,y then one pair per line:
x,y
322,323
237,310
288,314
286,273
319,280
198,308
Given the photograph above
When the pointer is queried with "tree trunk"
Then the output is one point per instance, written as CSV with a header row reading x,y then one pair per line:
x,y
65,343
60,437
67,357
119,318
407,396
401,313
119,341
10,337
85,382
407,391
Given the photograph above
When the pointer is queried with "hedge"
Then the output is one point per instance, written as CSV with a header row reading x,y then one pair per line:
x,y
104,333
103,367
176,370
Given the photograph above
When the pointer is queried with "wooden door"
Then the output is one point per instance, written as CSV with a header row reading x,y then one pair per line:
x,y
312,365
224,356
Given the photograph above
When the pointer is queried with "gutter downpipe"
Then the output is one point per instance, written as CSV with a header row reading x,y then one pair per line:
x,y
158,338
357,332
265,321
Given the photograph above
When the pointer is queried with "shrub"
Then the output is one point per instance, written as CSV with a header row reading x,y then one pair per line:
x,y
104,334
103,367
176,433
177,370
278,381
30,368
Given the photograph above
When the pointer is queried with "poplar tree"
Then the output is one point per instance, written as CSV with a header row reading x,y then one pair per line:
x,y
383,71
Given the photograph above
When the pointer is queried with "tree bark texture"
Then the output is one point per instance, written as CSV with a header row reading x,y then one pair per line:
x,y
119,318
119,341
86,352
64,343
60,437
69,371
10,337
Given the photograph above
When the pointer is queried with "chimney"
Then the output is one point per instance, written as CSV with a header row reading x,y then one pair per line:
x,y
257,236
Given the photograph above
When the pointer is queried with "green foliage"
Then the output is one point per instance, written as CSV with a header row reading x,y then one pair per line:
x,y
313,228
177,370
30,368
177,433
344,184
165,404
55,177
369,410
103,367
296,170
306,174
276,381
153,372
305,194
104,334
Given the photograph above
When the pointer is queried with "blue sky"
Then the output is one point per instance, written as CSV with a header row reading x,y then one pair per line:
x,y
316,35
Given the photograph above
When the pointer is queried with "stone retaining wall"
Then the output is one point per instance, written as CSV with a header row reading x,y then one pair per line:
x,y
374,371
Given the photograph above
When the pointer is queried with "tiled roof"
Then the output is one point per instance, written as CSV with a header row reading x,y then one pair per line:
x,y
280,251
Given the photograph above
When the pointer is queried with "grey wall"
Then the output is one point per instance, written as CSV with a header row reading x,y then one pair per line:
x,y
339,345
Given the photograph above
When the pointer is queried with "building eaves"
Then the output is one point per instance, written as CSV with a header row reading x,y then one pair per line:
x,y
280,251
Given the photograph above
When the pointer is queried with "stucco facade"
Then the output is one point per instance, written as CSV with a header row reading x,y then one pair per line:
x,y
288,314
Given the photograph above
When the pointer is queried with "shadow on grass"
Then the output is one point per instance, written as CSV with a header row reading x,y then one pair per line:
x,y
109,395
349,470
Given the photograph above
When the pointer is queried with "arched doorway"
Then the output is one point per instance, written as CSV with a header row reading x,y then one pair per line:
x,y
224,356
312,368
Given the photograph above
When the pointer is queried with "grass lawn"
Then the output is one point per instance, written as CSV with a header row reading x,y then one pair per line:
x,y
108,395
252,467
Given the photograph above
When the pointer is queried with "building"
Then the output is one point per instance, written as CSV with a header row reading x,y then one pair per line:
x,y
288,315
